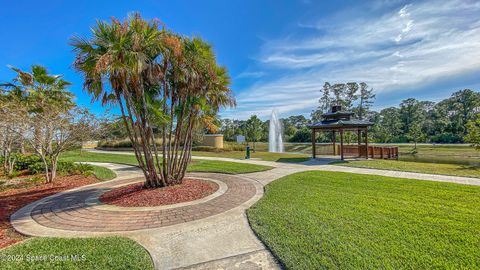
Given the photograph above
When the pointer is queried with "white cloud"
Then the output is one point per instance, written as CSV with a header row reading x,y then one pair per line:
x,y
404,48
250,74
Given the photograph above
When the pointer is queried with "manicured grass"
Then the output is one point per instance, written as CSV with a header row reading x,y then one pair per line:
x,y
79,156
103,173
196,166
420,167
333,220
199,165
278,157
92,253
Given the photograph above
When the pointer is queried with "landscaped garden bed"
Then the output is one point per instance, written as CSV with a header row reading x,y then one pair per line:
x,y
13,199
333,220
136,195
27,184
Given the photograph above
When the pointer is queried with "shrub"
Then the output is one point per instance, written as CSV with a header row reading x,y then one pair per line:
x,y
233,146
36,168
82,168
24,161
63,167
207,149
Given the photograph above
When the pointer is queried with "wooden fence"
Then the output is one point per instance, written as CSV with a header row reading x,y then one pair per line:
x,y
375,152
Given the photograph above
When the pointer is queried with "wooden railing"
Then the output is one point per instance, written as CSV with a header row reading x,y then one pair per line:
x,y
376,152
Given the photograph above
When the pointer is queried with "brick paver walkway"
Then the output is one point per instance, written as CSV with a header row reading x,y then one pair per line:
x,y
71,211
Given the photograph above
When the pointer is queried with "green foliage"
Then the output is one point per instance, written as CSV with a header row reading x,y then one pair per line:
x,y
24,161
302,135
36,168
473,132
253,129
332,220
160,80
63,167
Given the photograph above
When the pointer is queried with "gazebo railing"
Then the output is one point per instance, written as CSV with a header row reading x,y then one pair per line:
x,y
353,151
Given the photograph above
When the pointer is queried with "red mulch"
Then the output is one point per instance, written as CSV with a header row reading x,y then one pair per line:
x,y
13,199
135,195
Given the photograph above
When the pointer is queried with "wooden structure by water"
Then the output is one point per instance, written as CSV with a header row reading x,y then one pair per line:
x,y
338,122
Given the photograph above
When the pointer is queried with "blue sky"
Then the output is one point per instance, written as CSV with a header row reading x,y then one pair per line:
x,y
279,53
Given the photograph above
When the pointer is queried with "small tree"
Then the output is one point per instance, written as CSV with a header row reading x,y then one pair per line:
x,y
10,139
253,130
416,134
46,117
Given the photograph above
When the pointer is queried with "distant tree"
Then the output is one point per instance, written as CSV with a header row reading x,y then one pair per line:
x,y
473,132
253,130
345,95
228,129
351,95
302,135
366,100
388,125
416,134
298,121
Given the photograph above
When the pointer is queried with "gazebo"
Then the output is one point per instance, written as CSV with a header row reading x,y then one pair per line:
x,y
341,121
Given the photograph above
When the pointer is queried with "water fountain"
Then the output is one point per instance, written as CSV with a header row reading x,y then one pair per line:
x,y
275,140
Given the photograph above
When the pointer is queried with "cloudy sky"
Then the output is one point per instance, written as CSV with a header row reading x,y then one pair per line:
x,y
279,53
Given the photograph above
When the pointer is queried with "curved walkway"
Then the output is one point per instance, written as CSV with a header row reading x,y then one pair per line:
x,y
206,233
209,233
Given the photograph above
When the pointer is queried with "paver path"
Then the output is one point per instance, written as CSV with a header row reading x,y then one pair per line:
x,y
211,233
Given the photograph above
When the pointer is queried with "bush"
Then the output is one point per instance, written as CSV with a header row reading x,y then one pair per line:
x,y
36,168
207,149
24,161
233,146
63,167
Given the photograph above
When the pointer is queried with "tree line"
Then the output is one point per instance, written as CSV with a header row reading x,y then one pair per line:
x,y
447,121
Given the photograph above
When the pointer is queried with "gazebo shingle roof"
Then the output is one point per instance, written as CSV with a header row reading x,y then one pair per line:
x,y
347,123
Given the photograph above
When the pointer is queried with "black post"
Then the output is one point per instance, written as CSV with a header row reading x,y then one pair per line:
x,y
314,152
341,144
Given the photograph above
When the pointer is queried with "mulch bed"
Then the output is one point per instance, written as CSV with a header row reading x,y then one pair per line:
x,y
135,195
13,199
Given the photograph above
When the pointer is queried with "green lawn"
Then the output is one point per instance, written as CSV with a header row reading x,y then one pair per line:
x,y
278,157
420,167
199,165
196,166
93,253
103,173
333,220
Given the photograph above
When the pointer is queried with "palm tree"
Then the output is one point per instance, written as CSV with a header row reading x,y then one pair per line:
x,y
160,81
40,97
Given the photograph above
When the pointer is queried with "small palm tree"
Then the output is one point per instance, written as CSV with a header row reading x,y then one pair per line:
x,y
41,97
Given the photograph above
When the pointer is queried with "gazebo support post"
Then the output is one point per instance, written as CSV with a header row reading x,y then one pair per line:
x,y
333,141
359,138
341,144
366,143
314,152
